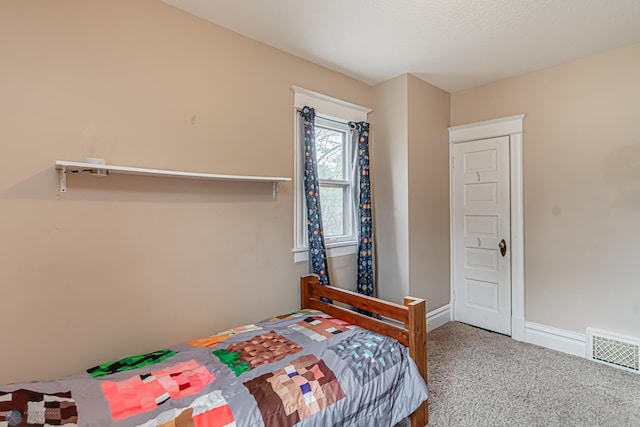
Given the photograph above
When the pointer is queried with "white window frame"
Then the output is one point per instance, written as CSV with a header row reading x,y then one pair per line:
x,y
335,110
346,183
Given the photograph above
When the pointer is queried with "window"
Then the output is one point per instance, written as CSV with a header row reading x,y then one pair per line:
x,y
335,176
335,155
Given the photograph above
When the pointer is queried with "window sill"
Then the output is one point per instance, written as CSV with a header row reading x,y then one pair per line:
x,y
333,250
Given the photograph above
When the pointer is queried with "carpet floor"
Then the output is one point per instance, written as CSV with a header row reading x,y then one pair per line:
x,y
480,378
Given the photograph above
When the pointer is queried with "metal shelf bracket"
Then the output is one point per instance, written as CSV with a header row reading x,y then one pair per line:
x,y
63,180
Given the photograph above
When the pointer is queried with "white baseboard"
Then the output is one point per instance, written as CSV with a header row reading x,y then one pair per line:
x,y
556,339
438,317
534,333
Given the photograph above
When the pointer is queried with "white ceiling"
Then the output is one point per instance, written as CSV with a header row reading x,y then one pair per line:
x,y
452,44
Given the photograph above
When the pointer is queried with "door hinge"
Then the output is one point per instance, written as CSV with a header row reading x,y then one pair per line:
x,y
453,165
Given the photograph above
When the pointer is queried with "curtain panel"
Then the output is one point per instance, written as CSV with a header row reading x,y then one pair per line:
x,y
365,280
317,250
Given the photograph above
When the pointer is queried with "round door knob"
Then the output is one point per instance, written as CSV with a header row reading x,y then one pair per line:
x,y
503,247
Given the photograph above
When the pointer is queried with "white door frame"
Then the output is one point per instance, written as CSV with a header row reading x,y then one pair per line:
x,y
507,126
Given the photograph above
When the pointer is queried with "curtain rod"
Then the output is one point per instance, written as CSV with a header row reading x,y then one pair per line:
x,y
323,117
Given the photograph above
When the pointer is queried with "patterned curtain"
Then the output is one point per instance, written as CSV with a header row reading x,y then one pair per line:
x,y
365,283
317,251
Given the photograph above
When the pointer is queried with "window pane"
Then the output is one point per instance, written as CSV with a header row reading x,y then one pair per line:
x,y
332,202
330,149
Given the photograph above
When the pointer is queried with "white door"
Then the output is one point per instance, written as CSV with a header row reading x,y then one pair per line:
x,y
481,234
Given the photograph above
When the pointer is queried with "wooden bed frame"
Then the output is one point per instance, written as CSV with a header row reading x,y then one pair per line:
x,y
412,315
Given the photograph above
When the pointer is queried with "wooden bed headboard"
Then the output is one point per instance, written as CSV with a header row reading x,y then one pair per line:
x,y
413,315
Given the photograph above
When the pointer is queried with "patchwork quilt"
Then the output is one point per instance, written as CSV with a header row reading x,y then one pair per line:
x,y
304,368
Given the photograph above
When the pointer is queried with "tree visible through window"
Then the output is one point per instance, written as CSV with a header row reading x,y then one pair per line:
x,y
334,175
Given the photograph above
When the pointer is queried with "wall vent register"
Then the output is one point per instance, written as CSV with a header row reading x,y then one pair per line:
x,y
613,350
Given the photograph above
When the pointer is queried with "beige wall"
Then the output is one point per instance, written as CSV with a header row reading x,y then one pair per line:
x,y
389,180
581,186
123,265
411,190
428,168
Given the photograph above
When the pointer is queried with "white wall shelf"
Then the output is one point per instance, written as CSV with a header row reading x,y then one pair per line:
x,y
65,166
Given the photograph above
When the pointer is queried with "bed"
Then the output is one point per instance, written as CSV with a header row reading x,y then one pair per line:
x,y
323,365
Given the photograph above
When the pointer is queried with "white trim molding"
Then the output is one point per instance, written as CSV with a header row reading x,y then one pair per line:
x,y
512,127
487,129
556,339
438,317
328,106
333,250
517,236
